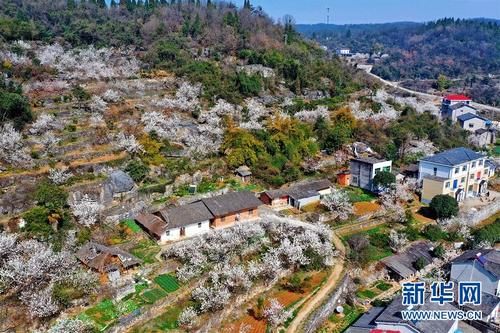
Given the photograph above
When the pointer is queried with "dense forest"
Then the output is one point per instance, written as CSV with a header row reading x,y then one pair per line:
x,y
189,39
468,50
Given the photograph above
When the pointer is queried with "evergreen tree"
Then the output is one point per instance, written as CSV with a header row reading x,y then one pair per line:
x,y
101,3
113,4
71,4
247,4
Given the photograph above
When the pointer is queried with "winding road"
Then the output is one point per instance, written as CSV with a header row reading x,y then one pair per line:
x,y
426,95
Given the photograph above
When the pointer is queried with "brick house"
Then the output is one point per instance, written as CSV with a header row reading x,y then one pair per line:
x,y
232,207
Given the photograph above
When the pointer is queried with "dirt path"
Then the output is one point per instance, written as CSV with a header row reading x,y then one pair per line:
x,y
316,300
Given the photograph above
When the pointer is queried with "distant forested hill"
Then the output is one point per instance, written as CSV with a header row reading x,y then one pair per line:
x,y
464,54
455,48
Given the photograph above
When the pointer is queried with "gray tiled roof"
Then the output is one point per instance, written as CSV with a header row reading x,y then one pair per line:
x,y
454,156
232,202
490,259
403,263
366,321
306,189
460,105
469,116
185,215
99,257
392,315
488,304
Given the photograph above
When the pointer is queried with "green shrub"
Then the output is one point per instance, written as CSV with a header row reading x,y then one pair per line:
x,y
384,179
249,85
434,233
444,206
37,221
489,234
137,170
50,195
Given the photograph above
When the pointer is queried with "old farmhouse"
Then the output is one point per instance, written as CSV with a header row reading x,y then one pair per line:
x,y
106,260
174,223
298,195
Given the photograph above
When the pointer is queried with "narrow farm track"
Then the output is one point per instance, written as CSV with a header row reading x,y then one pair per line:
x,y
312,303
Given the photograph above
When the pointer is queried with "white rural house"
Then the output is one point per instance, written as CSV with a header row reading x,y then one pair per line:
x,y
176,222
364,169
473,122
454,106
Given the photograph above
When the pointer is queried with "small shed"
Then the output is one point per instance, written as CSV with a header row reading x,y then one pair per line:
x,y
344,178
244,173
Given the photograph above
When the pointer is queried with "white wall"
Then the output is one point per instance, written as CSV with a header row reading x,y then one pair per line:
x,y
306,201
427,168
190,231
381,166
474,124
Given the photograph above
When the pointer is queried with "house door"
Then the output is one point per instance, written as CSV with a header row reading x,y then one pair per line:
x,y
455,183
483,186
183,231
478,176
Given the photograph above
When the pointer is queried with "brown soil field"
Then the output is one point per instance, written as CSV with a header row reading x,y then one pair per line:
x,y
364,208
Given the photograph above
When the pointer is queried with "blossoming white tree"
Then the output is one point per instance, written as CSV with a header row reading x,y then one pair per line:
x,y
275,313
12,149
48,141
68,325
128,143
86,210
45,122
397,240
97,104
59,176
89,63
338,203
29,269
187,317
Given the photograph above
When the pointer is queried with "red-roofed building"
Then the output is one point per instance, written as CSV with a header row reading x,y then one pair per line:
x,y
454,106
457,98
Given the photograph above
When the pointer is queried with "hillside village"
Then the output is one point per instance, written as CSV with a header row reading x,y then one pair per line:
x,y
247,185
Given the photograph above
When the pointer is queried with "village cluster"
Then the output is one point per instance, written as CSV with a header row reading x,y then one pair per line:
x,y
135,203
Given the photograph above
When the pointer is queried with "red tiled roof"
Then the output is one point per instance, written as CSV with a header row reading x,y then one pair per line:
x,y
457,98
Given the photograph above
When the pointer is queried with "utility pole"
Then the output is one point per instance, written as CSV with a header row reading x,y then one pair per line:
x,y
328,15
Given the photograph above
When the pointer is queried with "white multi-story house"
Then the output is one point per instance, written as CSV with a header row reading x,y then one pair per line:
x,y
454,106
458,172
364,169
481,265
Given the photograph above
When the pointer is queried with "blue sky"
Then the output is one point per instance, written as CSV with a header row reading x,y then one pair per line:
x,y
378,11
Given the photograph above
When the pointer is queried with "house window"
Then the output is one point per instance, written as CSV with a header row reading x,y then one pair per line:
x,y
471,125
199,224
167,232
473,164
480,162
435,171
464,168
377,170
447,185
471,176
462,180
250,212
457,170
